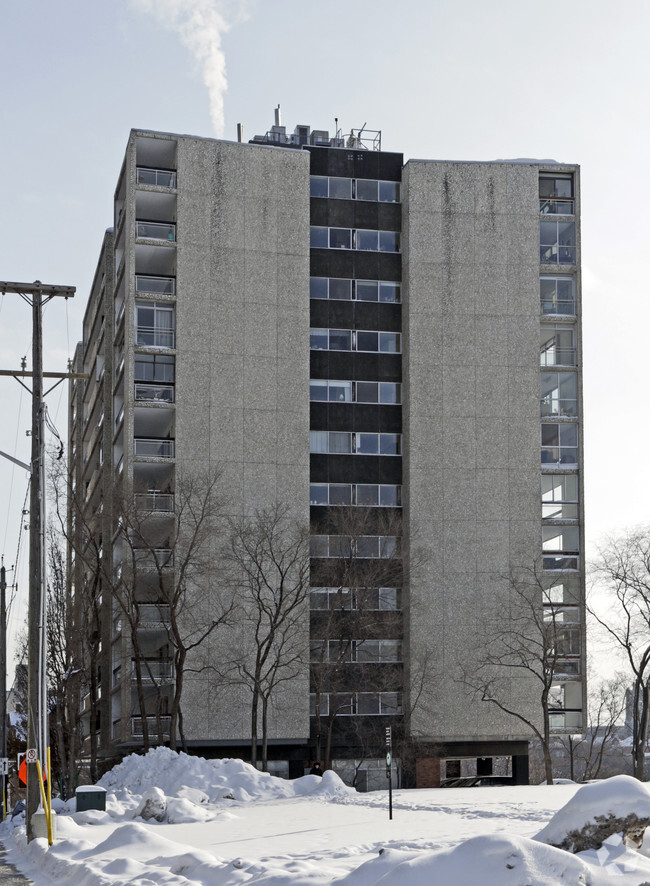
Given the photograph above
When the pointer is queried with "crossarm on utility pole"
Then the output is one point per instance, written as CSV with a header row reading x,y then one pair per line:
x,y
21,464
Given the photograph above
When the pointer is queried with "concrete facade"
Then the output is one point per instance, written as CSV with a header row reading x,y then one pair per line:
x,y
471,411
217,247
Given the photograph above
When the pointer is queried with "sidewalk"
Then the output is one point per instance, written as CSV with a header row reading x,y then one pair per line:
x,y
9,876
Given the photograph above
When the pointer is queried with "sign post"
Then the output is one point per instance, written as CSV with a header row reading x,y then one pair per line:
x,y
389,770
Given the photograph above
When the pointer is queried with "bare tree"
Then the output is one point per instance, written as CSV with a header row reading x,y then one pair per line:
x,y
606,708
169,569
529,641
83,606
623,569
269,558
63,666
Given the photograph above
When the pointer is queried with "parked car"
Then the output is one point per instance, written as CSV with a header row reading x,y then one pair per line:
x,y
476,781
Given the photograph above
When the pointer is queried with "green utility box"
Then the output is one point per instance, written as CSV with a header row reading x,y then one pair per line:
x,y
90,796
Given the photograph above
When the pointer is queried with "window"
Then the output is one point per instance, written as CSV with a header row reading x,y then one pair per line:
x,y
359,340
321,390
559,393
355,189
557,346
559,497
154,324
382,599
556,194
559,444
565,591
346,443
557,295
381,547
365,495
343,289
154,367
357,651
560,547
359,239
154,377
557,242
568,640
340,238
349,704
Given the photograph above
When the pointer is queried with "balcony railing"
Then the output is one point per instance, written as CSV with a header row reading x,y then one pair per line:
x,y
558,357
158,393
153,448
553,254
154,613
154,337
154,669
160,178
548,206
148,285
155,558
161,502
152,230
152,725
565,307
551,405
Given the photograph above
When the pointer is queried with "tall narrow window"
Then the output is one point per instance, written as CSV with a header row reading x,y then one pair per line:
x,y
154,324
557,295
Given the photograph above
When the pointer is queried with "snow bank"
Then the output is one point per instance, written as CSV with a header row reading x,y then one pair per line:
x,y
210,781
596,811
481,861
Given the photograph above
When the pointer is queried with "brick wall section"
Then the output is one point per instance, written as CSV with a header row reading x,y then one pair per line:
x,y
427,772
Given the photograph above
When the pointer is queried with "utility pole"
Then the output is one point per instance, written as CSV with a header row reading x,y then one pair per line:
x,y
36,294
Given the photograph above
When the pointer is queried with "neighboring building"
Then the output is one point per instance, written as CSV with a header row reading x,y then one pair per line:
x,y
371,349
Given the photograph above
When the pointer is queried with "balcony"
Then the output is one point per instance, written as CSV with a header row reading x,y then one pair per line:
x,y
154,392
549,206
555,406
152,725
150,285
553,356
154,670
153,448
159,502
152,230
159,178
154,337
157,558
154,613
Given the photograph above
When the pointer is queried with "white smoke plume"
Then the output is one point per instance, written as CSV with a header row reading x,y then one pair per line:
x,y
200,25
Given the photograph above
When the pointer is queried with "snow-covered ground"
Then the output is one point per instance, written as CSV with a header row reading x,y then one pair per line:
x,y
224,823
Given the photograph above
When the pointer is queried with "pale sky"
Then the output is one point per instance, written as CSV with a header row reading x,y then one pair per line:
x,y
442,79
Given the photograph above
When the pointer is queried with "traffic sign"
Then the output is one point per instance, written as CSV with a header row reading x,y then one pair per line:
x,y
31,756
4,765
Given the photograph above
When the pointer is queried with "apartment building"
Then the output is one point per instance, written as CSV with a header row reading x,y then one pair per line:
x,y
392,351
